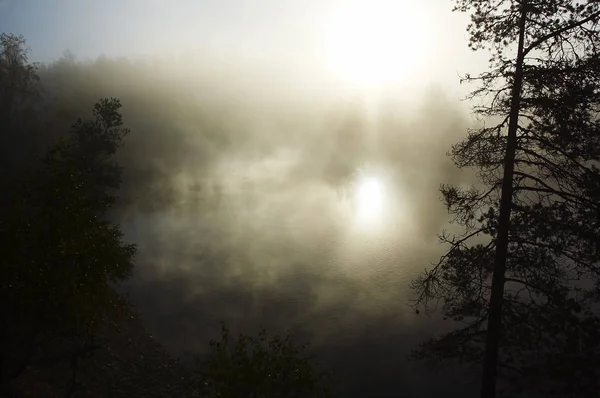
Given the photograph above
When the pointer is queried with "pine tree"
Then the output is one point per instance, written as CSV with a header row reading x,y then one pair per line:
x,y
19,95
60,255
523,276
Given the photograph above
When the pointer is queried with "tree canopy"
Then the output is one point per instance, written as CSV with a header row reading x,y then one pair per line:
x,y
260,367
523,276
61,256
19,82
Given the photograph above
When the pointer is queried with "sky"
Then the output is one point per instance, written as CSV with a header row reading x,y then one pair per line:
x,y
283,164
422,36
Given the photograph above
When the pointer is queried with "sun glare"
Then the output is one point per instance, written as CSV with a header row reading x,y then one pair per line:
x,y
369,198
375,42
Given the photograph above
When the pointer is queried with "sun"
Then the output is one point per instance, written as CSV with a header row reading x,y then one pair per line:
x,y
370,199
375,42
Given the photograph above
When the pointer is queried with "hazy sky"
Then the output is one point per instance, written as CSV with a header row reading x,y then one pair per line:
x,y
426,42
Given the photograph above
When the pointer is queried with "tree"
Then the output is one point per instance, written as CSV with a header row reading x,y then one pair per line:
x,y
260,367
523,275
61,256
19,88
18,78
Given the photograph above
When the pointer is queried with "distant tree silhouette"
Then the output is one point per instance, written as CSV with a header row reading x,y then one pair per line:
x,y
524,275
60,255
259,367
19,93
19,82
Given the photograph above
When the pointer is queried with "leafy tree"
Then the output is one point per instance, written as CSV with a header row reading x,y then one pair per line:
x,y
18,78
523,276
260,367
19,90
61,256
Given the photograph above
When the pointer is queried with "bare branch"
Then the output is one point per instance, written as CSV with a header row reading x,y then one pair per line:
x,y
558,32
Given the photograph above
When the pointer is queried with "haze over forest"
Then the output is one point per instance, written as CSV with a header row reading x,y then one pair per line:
x,y
242,210
247,168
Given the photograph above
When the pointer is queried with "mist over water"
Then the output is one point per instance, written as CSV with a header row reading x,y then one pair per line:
x,y
239,191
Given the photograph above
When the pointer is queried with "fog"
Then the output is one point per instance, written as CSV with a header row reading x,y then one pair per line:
x,y
239,188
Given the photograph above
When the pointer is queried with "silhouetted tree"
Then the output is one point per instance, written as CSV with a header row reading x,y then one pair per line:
x,y
19,81
523,276
19,90
260,367
60,255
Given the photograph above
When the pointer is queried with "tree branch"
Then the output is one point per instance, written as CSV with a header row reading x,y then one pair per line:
x,y
528,284
548,189
560,31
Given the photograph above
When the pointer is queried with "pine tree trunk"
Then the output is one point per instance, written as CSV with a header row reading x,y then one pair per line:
x,y
494,327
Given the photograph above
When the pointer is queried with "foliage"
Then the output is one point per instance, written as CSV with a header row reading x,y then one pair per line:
x,y
19,92
260,367
551,283
18,78
60,254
